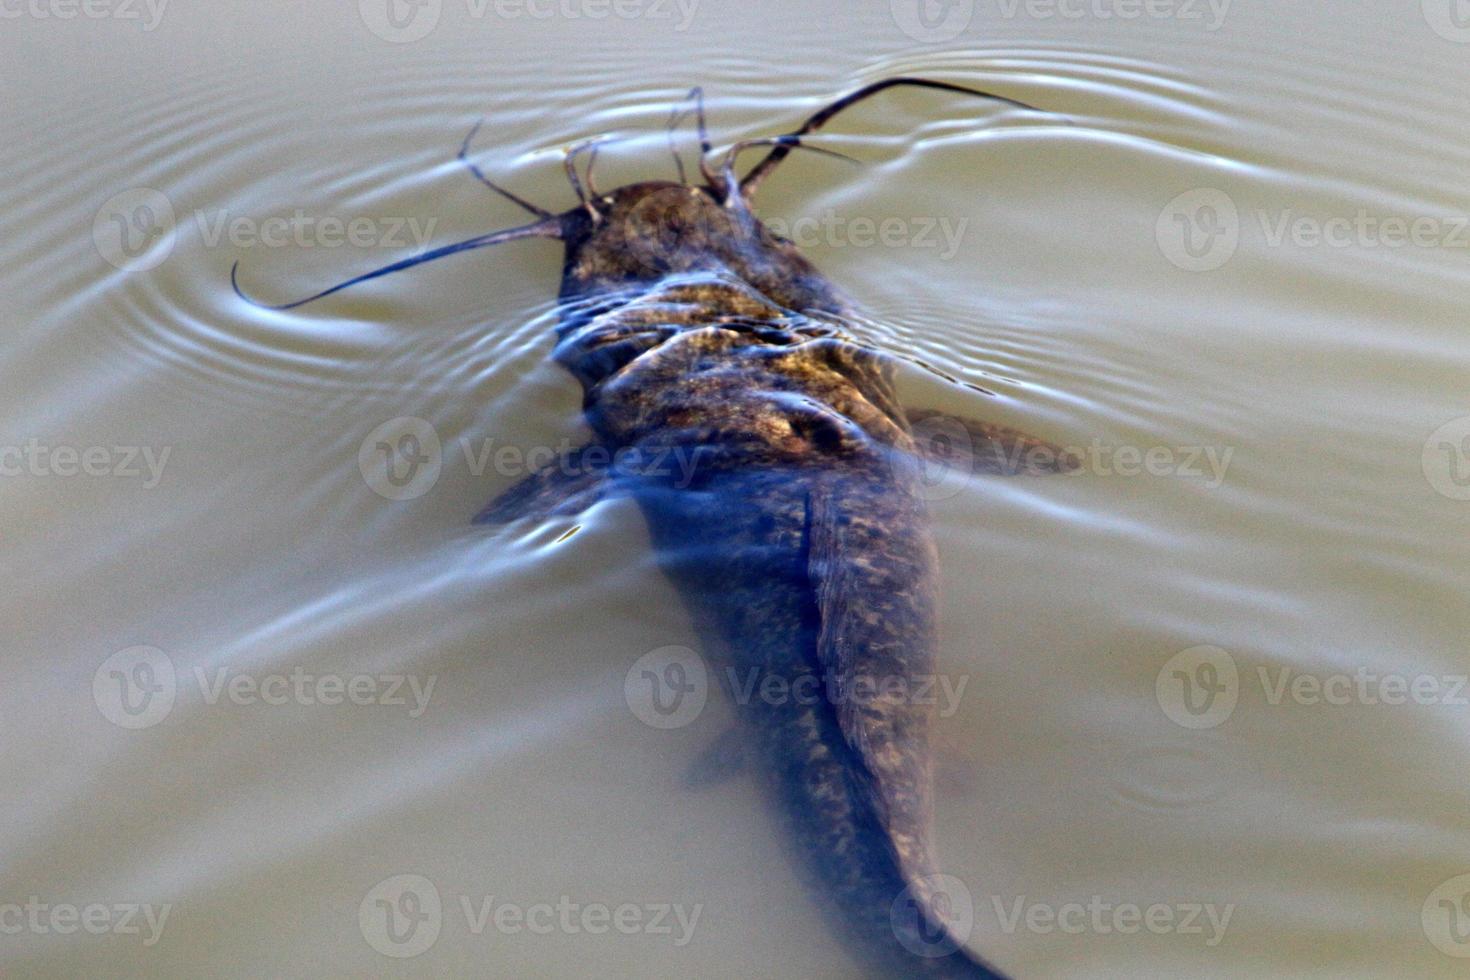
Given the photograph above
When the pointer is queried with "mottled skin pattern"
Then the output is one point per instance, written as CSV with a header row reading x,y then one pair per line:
x,y
793,520
800,542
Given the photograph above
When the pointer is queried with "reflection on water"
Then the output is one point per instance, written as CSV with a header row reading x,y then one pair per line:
x,y
272,706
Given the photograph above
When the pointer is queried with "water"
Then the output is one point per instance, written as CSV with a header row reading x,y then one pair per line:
x,y
1101,309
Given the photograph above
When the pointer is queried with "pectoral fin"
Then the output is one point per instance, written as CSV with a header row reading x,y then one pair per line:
x,y
573,482
972,446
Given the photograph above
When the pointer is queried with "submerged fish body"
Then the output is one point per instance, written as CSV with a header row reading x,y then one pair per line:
x,y
793,522
797,534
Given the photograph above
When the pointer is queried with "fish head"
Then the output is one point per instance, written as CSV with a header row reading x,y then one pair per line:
x,y
646,232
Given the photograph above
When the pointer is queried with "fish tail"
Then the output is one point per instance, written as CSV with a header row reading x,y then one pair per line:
x,y
906,923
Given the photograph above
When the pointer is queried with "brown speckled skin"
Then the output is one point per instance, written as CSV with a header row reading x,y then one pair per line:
x,y
801,543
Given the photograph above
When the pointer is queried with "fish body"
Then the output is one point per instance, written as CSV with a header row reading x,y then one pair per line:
x,y
798,535
794,524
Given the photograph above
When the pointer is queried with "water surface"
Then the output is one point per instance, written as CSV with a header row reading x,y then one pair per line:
x,y
1141,277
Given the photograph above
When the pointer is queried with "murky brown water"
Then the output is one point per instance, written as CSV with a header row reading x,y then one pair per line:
x,y
1240,277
